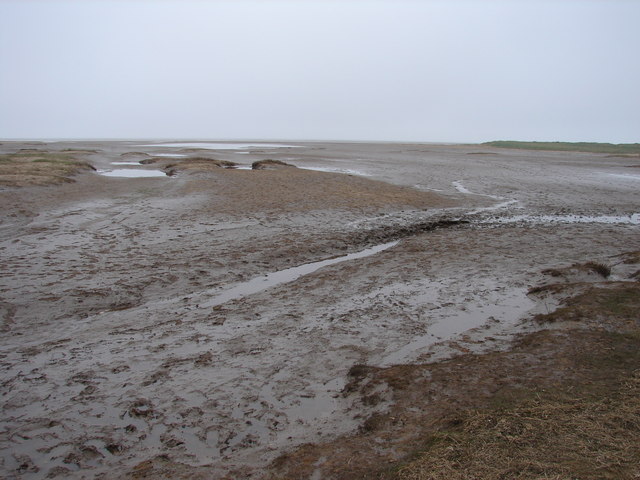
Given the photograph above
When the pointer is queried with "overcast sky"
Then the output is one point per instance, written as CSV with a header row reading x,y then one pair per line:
x,y
439,71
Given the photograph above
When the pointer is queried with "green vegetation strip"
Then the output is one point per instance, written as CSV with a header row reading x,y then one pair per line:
x,y
611,148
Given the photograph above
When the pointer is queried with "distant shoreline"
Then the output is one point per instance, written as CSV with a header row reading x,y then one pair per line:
x,y
590,147
587,147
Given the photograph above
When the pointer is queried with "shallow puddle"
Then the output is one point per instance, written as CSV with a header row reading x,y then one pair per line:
x,y
505,308
492,208
125,163
461,188
633,219
132,173
345,171
285,276
219,146
626,176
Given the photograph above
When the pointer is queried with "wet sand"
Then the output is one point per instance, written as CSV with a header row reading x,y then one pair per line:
x,y
114,350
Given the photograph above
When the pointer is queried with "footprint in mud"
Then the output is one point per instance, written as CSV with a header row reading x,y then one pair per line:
x,y
35,377
157,376
170,441
120,369
85,394
7,314
25,464
142,407
86,378
84,456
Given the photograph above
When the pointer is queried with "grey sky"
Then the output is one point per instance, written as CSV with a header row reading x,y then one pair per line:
x,y
346,70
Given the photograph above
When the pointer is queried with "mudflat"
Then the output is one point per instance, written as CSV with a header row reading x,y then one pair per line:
x,y
125,354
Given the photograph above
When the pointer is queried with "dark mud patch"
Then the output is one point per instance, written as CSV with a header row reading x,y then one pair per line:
x,y
389,233
7,314
624,155
134,155
151,161
631,258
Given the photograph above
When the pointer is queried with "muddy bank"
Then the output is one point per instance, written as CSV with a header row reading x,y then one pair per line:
x,y
562,395
396,232
114,363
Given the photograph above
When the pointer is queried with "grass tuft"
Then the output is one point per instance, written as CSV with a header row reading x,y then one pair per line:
x,y
599,268
266,164
36,167
621,302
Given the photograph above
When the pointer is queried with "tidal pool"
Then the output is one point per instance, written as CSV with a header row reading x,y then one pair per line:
x,y
219,146
633,219
284,276
132,173
345,171
626,176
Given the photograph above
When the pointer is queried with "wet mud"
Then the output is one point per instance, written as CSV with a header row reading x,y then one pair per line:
x,y
121,353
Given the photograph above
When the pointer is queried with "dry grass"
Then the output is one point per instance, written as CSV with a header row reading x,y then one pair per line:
x,y
298,190
199,164
192,164
269,164
618,302
599,268
33,167
588,429
558,435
